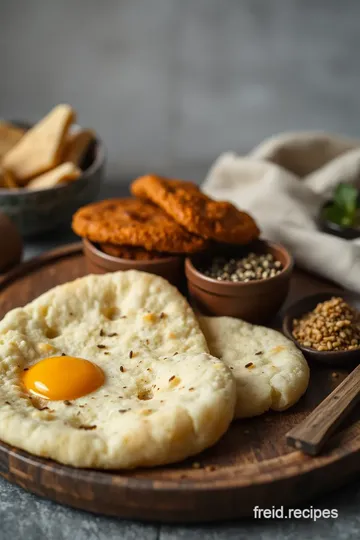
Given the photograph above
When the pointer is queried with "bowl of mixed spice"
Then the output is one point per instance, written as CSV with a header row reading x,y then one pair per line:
x,y
326,327
250,282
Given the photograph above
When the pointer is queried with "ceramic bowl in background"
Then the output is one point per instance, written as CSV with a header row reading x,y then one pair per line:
x,y
170,268
303,306
330,227
35,212
253,301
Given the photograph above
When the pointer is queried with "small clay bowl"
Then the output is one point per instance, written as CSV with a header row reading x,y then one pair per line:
x,y
297,310
170,268
253,301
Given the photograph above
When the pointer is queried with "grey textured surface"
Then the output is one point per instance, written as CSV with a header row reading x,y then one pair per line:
x,y
170,84
24,516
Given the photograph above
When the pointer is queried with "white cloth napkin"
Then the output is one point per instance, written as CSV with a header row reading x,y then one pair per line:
x,y
283,184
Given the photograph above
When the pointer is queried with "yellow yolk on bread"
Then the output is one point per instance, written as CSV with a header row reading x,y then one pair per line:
x,y
63,377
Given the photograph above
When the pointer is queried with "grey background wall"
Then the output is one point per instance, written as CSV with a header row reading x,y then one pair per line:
x,y
169,84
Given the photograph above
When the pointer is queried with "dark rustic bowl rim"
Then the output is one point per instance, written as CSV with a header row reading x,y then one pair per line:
x,y
100,155
98,254
334,228
191,271
318,297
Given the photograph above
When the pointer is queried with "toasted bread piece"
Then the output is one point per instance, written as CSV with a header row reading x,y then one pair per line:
x,y
66,172
76,145
7,180
41,148
9,136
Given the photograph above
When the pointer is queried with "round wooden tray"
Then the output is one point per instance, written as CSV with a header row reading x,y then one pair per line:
x,y
250,466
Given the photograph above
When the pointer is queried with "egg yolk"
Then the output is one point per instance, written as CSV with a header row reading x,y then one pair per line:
x,y
63,377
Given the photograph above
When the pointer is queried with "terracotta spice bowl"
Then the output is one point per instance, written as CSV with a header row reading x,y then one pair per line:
x,y
170,268
254,301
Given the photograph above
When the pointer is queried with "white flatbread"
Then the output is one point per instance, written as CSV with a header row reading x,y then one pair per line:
x,y
269,370
169,400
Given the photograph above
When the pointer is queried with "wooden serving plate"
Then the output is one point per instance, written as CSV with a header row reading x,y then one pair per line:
x,y
251,465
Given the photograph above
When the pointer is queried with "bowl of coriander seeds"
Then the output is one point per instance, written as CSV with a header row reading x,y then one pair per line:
x,y
326,327
249,282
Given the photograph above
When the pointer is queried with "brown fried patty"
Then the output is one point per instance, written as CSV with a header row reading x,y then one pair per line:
x,y
196,212
136,223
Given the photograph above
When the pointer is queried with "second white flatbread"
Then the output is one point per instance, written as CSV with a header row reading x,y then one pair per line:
x,y
269,370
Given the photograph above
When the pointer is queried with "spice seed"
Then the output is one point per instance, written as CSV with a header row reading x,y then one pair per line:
x,y
249,268
332,326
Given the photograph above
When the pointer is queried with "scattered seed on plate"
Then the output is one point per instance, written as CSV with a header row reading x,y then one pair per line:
x,y
250,268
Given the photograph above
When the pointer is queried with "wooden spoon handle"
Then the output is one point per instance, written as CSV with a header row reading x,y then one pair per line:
x,y
312,433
